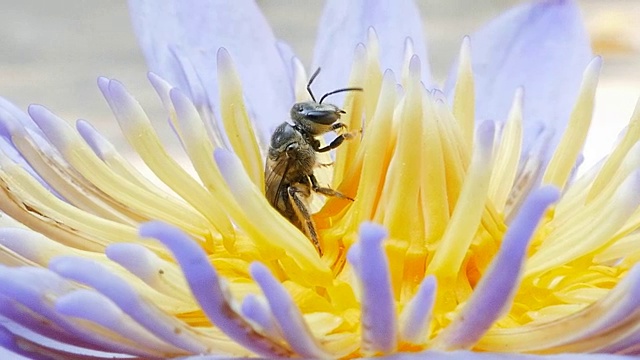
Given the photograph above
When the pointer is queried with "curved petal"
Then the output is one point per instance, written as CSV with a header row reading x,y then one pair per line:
x,y
32,346
12,121
287,315
124,296
379,322
493,295
541,46
416,316
209,290
180,40
18,114
344,24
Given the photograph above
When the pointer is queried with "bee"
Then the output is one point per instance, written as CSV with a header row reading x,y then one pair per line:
x,y
291,160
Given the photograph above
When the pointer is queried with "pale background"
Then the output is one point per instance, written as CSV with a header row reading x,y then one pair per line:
x,y
51,52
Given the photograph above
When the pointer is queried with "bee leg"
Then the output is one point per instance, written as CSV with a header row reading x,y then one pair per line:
x,y
335,143
325,190
304,216
338,126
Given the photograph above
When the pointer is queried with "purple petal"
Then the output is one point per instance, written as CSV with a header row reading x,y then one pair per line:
x,y
35,288
8,150
161,275
256,310
11,126
470,355
294,329
163,89
379,325
541,46
140,261
29,244
98,143
353,256
624,303
56,130
41,348
15,112
126,298
174,33
628,345
208,290
36,323
620,312
344,24
416,315
288,57
493,295
12,343
95,307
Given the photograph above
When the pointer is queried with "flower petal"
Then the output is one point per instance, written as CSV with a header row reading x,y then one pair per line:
x,y
13,121
137,127
414,319
595,231
123,295
494,293
568,153
95,307
35,347
192,31
210,292
107,152
257,310
162,275
608,320
294,329
14,111
470,355
468,210
282,240
344,24
379,323
34,322
37,289
541,46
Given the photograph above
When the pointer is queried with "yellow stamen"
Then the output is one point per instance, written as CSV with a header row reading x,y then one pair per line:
x,y
464,99
467,213
236,120
354,108
507,155
631,137
569,148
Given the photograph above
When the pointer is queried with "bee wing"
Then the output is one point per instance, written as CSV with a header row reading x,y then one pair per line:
x,y
274,179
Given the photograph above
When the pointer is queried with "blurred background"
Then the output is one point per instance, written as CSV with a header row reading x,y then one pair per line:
x,y
51,52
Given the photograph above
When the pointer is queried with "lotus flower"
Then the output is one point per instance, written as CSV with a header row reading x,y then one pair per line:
x,y
469,230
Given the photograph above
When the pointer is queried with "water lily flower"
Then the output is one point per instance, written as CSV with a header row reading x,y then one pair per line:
x,y
469,231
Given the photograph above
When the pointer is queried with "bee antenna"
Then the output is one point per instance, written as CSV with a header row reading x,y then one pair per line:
x,y
313,77
339,91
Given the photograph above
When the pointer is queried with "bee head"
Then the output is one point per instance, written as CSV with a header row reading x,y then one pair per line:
x,y
309,113
315,117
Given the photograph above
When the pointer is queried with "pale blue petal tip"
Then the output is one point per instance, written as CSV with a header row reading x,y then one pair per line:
x,y
344,24
372,232
541,46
